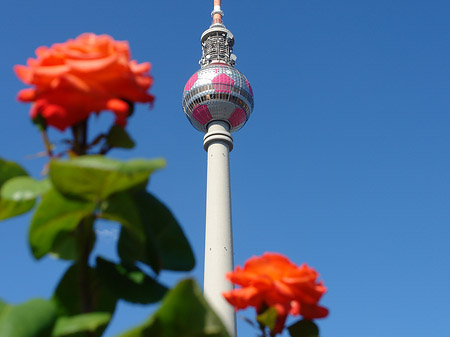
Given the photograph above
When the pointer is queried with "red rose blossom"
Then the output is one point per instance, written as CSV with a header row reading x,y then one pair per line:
x,y
88,74
272,280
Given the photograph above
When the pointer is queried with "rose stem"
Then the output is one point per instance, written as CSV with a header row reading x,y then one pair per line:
x,y
84,136
79,132
48,145
83,231
263,329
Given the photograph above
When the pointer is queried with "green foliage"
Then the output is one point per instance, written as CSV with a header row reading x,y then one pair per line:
x,y
95,178
80,185
304,328
24,188
54,217
12,204
118,137
91,322
34,318
67,245
79,191
129,283
150,233
9,169
70,294
268,317
183,313
9,208
18,195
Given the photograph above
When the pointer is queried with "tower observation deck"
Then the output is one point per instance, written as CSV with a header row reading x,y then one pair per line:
x,y
218,91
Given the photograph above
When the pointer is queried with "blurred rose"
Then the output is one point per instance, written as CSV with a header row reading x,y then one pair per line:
x,y
273,281
89,74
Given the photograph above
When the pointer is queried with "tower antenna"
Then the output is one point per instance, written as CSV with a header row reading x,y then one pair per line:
x,y
217,13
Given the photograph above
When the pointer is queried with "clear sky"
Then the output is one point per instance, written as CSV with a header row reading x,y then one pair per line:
x,y
344,163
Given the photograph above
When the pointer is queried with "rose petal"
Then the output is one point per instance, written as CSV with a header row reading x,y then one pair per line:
x,y
243,298
281,318
51,71
139,68
27,95
24,73
87,66
76,82
312,311
117,105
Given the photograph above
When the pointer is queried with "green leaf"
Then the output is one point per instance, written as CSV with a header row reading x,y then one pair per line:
x,y
129,283
66,326
118,137
34,318
162,244
55,216
183,313
134,243
2,305
68,296
121,208
9,169
268,318
95,178
304,328
9,208
65,245
24,188
18,195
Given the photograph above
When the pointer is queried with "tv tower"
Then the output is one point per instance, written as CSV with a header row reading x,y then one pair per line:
x,y
218,100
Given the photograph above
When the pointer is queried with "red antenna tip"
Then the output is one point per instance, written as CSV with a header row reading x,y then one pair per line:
x,y
217,13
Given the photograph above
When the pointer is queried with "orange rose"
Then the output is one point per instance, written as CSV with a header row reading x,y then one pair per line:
x,y
89,74
273,281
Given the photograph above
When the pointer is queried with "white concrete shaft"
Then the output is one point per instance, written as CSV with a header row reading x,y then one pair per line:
x,y
219,237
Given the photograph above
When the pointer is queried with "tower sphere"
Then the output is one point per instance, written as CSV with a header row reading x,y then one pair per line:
x,y
218,92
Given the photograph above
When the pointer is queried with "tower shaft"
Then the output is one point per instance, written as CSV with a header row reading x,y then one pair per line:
x,y
218,237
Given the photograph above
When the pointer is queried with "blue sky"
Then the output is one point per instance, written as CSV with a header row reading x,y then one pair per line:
x,y
344,163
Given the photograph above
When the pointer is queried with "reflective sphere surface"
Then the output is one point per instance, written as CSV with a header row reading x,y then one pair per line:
x,y
218,92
